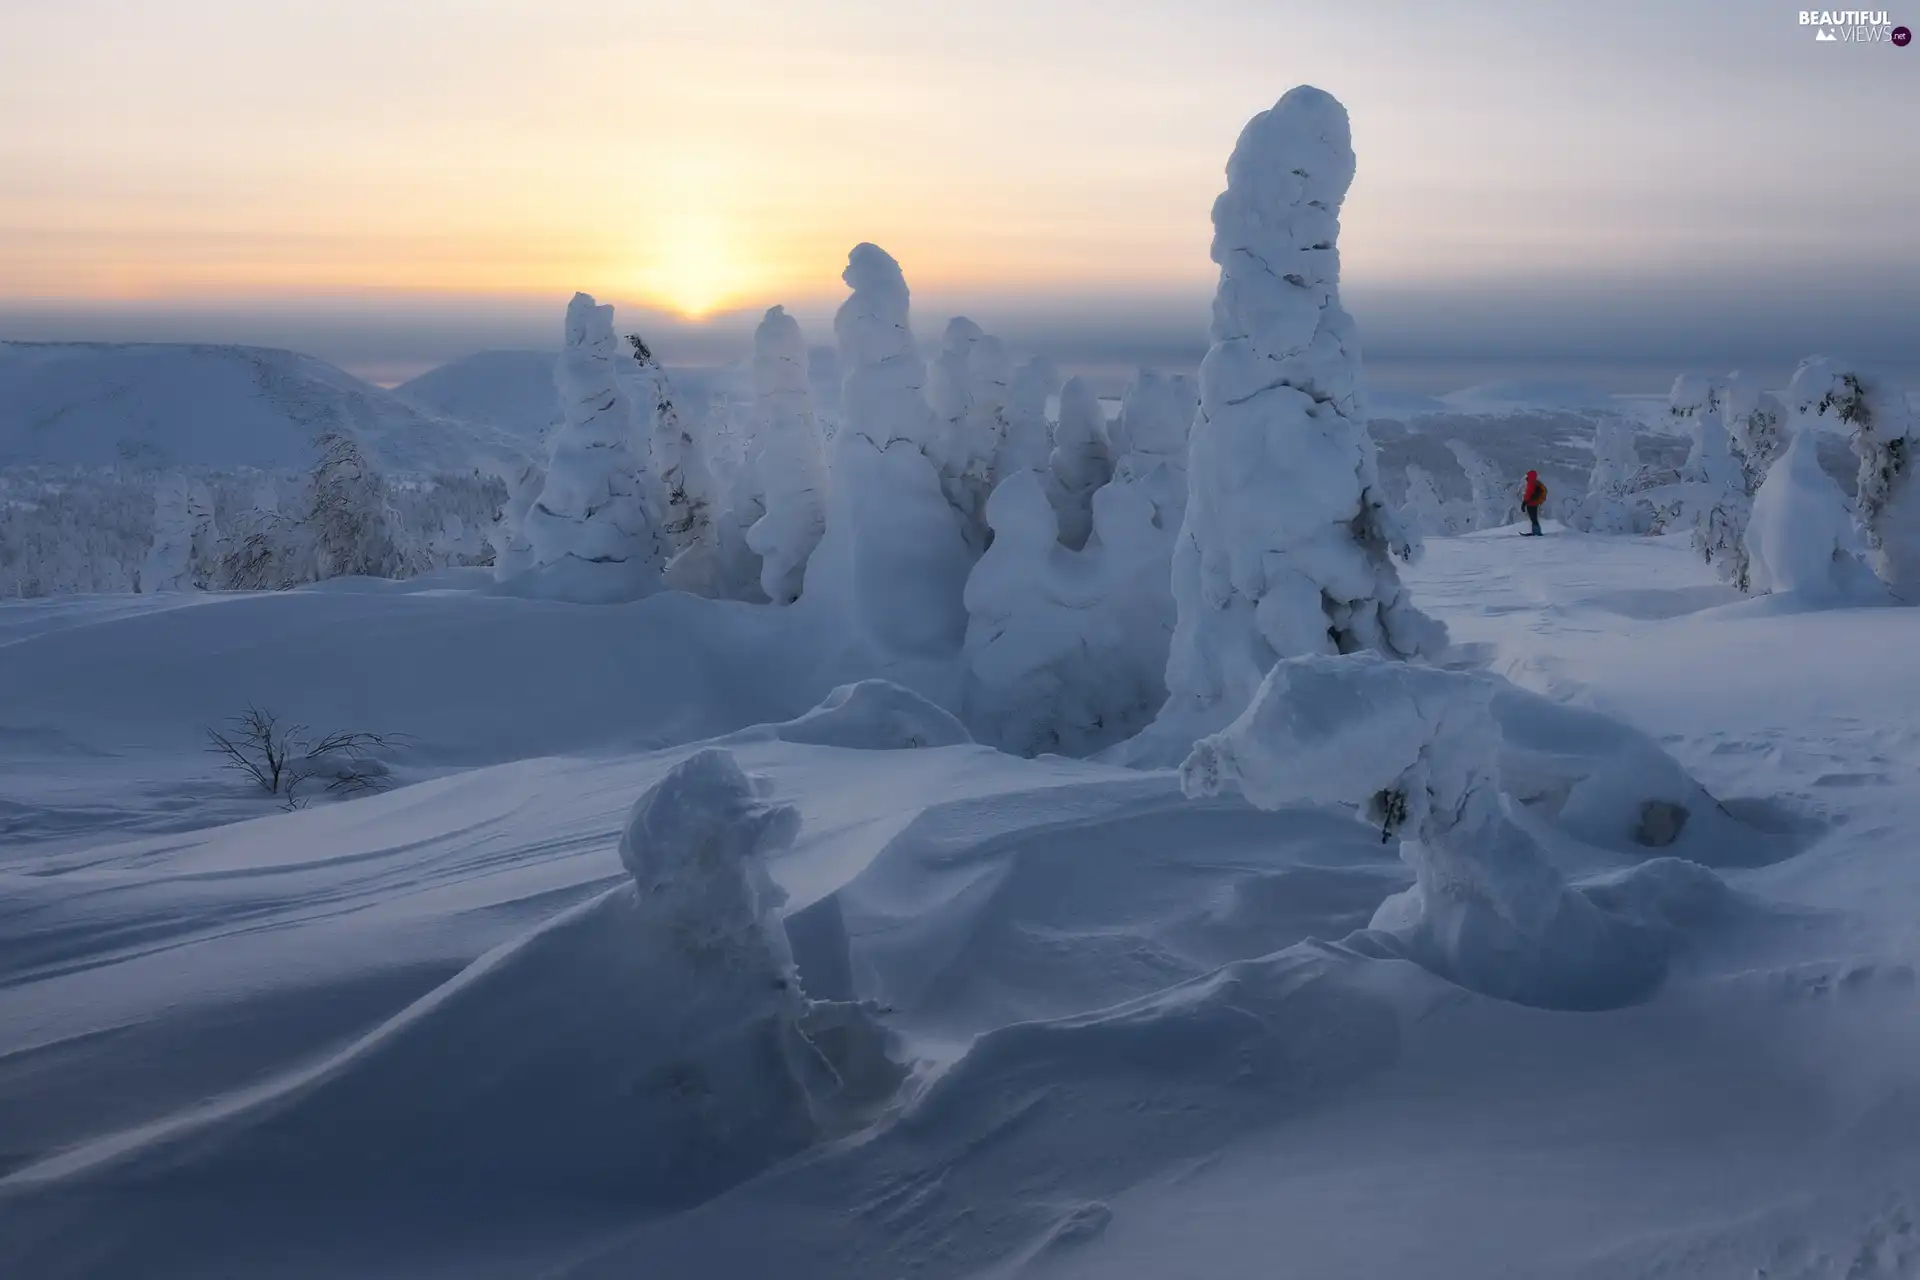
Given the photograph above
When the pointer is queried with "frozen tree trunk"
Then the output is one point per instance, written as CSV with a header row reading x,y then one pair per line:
x,y
1082,461
892,567
791,461
592,528
1880,426
1028,445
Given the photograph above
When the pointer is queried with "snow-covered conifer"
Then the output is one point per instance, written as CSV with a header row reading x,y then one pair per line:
x,y
791,459
185,539
1029,440
1155,414
1802,535
1288,542
1714,499
892,566
1081,462
968,389
1495,497
1879,423
512,553
1756,424
680,482
592,523
1611,504
1423,510
348,520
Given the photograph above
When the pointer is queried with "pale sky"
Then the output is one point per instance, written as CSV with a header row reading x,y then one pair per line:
x,y
1520,164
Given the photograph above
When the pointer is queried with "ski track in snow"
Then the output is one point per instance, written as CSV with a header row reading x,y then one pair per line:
x,y
182,994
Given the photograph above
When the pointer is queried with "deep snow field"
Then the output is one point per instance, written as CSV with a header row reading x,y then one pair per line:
x,y
406,1035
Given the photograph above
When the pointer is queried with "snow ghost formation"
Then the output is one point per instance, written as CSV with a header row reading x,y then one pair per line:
x,y
1288,541
1419,746
1423,510
1082,461
680,484
1801,535
592,522
350,526
1494,497
1610,505
968,389
1755,421
1065,649
512,553
1879,424
185,538
892,565
791,459
1029,440
696,845
1151,432
1714,482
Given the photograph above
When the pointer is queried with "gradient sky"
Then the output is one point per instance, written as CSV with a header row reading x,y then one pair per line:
x,y
393,181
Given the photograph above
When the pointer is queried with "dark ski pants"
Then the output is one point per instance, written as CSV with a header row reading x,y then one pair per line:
x,y
1533,514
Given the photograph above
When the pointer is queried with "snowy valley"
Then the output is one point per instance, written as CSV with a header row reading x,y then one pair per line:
x,y
909,810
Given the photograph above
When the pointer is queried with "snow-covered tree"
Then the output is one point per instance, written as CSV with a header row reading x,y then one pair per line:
x,y
1424,510
1612,503
185,538
1419,748
1288,542
968,389
1712,499
892,565
1029,440
348,518
1155,413
791,460
681,483
592,523
512,553
1879,423
1802,535
1081,462
1495,497
1066,649
1756,424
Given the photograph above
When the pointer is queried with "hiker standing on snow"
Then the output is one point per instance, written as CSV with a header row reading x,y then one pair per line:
x,y
1531,497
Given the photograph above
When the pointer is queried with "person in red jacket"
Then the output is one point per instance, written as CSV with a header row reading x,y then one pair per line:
x,y
1531,496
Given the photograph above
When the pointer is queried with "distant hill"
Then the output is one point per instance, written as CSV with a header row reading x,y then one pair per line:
x,y
509,390
166,404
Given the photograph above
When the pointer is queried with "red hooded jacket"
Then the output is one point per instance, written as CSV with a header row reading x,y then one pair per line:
x,y
1535,493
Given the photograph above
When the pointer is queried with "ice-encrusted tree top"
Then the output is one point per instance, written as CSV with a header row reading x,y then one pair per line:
x,y
1288,539
883,392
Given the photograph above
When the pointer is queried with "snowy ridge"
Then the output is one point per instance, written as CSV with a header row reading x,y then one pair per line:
x,y
154,404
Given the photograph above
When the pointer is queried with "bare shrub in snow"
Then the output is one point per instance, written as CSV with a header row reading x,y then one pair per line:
x,y
279,757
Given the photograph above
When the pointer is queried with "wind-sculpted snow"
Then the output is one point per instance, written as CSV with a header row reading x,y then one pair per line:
x,y
875,715
1420,747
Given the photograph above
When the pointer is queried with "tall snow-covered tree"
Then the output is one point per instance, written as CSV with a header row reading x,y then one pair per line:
x,y
1423,509
512,553
1082,461
1802,535
1155,414
592,522
968,389
791,459
891,568
1029,440
1756,423
1611,504
682,481
1875,415
350,525
1495,496
1288,543
185,538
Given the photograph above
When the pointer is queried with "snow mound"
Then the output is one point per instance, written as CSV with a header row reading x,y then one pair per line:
x,y
509,390
163,404
875,715
1419,747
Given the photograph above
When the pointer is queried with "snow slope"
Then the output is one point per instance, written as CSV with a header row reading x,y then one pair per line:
x,y
510,390
161,404
1149,1036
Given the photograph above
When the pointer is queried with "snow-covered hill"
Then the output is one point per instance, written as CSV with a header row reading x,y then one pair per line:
x,y
222,407
510,390
1151,1036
